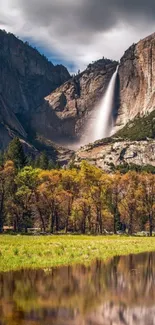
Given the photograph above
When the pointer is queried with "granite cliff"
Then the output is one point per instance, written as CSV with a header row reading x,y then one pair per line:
x,y
133,142
41,101
43,104
70,105
66,110
137,81
26,77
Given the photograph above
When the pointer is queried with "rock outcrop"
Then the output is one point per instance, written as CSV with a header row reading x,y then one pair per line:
x,y
137,81
116,152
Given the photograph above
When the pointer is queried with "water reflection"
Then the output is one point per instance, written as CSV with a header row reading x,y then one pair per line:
x,y
119,292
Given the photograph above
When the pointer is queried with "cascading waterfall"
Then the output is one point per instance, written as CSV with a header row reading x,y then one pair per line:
x,y
101,123
104,121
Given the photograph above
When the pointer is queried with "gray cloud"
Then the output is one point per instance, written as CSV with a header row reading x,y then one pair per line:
x,y
92,15
82,30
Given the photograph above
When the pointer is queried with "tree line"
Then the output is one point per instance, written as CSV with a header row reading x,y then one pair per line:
x,y
80,200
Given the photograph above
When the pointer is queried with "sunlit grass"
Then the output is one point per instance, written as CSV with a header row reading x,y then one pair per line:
x,y
18,252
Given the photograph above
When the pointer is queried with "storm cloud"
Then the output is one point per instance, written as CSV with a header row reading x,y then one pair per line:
x,y
80,30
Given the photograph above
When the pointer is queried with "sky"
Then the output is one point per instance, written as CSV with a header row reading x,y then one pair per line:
x,y
77,32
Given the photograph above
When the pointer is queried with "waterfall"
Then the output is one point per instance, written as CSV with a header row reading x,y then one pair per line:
x,y
101,124
104,120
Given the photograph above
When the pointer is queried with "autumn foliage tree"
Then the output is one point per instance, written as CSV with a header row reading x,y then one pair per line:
x,y
81,200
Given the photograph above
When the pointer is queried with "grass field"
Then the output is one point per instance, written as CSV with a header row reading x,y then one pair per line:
x,y
18,252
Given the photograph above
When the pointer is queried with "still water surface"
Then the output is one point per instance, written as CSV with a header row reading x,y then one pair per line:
x,y
118,292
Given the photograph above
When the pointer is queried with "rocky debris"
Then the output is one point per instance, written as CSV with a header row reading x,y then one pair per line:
x,y
117,152
64,155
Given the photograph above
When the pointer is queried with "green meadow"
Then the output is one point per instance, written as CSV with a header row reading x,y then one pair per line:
x,y
17,252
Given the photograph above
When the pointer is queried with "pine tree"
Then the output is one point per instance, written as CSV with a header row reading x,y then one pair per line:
x,y
37,162
51,164
15,153
1,158
57,165
42,161
30,161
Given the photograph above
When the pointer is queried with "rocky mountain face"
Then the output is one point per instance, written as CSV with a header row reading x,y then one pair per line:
x,y
135,142
66,110
42,104
137,81
26,77
70,105
40,100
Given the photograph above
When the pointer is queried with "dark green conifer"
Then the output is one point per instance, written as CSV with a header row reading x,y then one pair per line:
x,y
43,161
15,153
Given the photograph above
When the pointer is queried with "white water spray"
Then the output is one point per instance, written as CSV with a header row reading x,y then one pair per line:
x,y
102,122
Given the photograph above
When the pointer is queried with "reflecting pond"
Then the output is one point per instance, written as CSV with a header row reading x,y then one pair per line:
x,y
118,292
